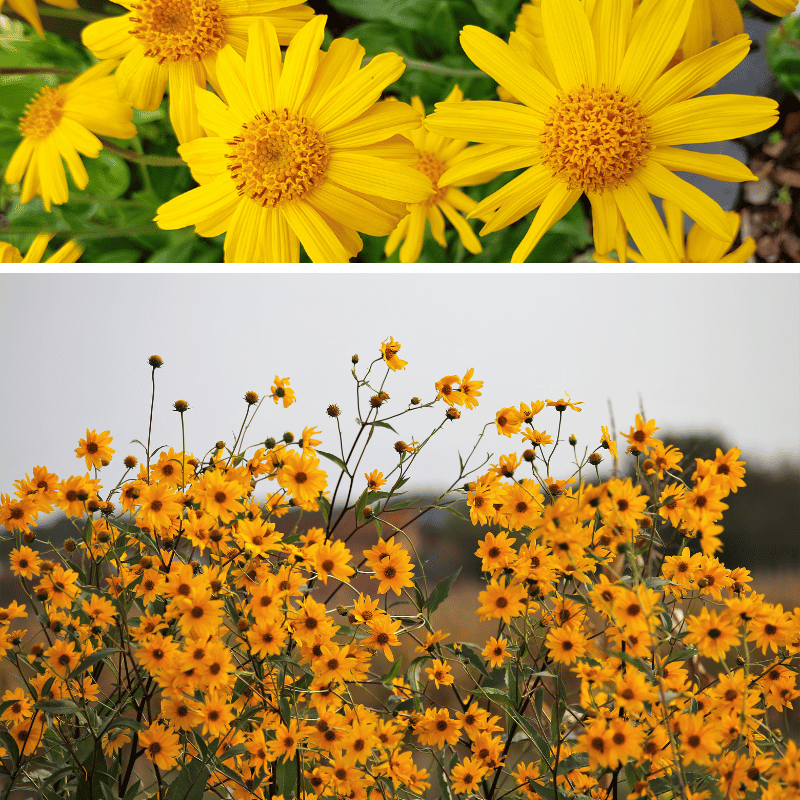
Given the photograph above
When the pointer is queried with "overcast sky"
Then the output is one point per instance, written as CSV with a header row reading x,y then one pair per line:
x,y
705,352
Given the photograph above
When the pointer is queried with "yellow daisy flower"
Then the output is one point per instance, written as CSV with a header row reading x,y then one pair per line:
x,y
301,154
59,123
67,254
28,11
607,122
699,247
178,42
436,154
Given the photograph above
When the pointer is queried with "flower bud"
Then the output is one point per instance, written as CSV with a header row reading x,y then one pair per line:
x,y
595,459
354,358
155,361
573,440
367,512
529,455
146,562
415,401
28,537
130,462
251,398
375,401
269,443
242,624
288,437
333,410
220,445
180,406
342,611
69,545
453,413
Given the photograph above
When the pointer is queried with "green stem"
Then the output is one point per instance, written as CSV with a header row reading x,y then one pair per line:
x,y
79,14
438,69
104,233
151,161
137,146
38,71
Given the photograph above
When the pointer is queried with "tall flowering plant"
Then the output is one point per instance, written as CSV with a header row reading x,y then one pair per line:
x,y
211,628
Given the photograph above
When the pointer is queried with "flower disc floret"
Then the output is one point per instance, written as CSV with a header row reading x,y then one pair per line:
x,y
278,156
43,113
595,139
434,167
171,30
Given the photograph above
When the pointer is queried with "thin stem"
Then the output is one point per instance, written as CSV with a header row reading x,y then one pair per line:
x,y
151,161
38,71
137,146
438,69
79,14
150,426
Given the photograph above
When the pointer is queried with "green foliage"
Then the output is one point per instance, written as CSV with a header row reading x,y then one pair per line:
x,y
783,53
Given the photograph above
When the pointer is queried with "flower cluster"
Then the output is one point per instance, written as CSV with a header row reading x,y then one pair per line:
x,y
188,637
293,145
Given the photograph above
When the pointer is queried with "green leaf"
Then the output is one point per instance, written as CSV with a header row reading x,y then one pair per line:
x,y
190,783
441,592
98,655
393,672
783,53
381,424
325,507
286,774
336,460
499,14
58,707
383,37
109,175
475,659
411,14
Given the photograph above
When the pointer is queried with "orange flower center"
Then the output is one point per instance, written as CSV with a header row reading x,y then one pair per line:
x,y
171,30
595,139
277,157
43,113
431,165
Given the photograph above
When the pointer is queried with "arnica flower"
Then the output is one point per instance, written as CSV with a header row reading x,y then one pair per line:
x,y
699,247
601,117
301,153
60,122
67,254
178,42
28,11
436,154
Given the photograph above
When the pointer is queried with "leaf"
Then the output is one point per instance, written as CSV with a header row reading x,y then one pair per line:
x,y
410,14
98,655
574,761
109,175
393,672
325,507
286,773
441,592
382,37
58,707
474,659
190,783
336,460
380,424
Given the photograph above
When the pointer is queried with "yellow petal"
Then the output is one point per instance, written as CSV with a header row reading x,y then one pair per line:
x,y
205,157
412,246
280,245
436,221
487,121
396,236
70,155
66,254
569,43
82,139
610,25
376,124
643,223
557,203
27,10
695,74
300,64
604,220
19,161
658,27
465,232
397,149
484,161
215,116
674,218
517,198
498,60
197,204
232,78
349,99
376,176
712,165
319,241
726,18
697,204
37,248
712,118
109,38
141,80
245,233
184,75
343,59
263,64
350,208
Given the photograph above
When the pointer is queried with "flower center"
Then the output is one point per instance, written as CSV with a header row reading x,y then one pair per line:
x,y
595,139
431,165
43,113
277,157
174,29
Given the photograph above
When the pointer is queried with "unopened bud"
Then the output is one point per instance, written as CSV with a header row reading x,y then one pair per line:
x,y
595,459
573,440
333,410
70,545
251,398
155,361
180,406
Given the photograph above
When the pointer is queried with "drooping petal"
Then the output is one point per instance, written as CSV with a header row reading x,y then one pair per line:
x,y
570,43
436,221
19,161
51,174
83,140
205,157
396,236
350,208
280,245
712,165
37,248
674,218
70,155
485,160
141,80
605,219
198,204
412,246
465,232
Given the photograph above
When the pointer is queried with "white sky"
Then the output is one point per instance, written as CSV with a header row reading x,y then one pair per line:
x,y
706,352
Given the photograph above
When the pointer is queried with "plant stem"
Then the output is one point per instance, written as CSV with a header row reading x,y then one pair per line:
x,y
79,14
38,71
104,233
151,161
438,69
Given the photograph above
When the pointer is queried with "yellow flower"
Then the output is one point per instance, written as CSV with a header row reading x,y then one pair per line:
x,y
300,153
59,123
389,350
436,155
178,42
604,119
699,247
66,254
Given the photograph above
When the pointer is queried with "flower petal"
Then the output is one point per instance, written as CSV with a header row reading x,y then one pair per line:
x,y
215,116
197,204
557,203
242,242
141,80
643,223
263,64
377,123
412,246
487,121
463,228
280,245
300,64
377,176
351,209
343,59
109,38
712,165
319,241
232,78
184,75
19,161
570,44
